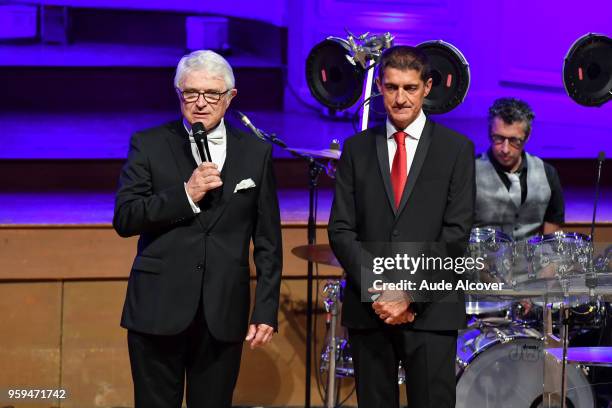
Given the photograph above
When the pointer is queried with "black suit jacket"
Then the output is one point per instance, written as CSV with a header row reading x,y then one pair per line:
x,y
184,258
437,206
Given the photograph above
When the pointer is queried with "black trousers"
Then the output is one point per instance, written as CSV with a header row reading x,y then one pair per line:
x,y
161,364
428,359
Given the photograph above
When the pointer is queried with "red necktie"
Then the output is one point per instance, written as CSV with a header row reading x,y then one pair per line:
x,y
399,172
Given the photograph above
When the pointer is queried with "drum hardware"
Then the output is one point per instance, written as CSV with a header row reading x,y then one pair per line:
x,y
495,248
503,352
332,155
498,356
603,263
565,313
331,291
530,260
344,360
584,316
568,256
559,256
557,370
336,354
315,168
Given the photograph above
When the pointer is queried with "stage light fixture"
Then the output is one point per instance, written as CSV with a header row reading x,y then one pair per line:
x,y
450,73
587,70
337,68
333,77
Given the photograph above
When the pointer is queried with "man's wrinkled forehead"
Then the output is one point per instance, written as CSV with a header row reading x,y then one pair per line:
x,y
199,78
407,75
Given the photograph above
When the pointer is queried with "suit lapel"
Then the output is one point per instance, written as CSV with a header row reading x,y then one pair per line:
x,y
417,163
178,140
231,171
382,151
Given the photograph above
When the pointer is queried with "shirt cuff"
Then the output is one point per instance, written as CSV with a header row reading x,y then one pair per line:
x,y
194,206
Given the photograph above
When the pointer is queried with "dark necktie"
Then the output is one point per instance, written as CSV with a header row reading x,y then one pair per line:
x,y
399,172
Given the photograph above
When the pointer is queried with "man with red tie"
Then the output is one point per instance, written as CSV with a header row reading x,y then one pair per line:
x,y
410,181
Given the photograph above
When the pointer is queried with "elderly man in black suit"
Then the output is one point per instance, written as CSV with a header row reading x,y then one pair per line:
x,y
187,303
411,180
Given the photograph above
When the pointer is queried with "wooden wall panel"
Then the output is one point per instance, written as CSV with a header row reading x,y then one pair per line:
x,y
95,362
275,375
94,359
29,339
64,253
55,253
52,253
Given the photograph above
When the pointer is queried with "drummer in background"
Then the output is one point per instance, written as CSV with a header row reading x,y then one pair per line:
x,y
516,193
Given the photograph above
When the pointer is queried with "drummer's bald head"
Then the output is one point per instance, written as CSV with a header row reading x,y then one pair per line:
x,y
404,57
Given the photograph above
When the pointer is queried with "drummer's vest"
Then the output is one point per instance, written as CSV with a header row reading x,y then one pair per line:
x,y
494,207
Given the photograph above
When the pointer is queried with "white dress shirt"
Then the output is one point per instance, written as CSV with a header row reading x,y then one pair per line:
x,y
217,145
414,132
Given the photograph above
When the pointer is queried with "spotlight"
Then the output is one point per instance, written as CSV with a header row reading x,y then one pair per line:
x,y
450,73
333,77
336,69
587,70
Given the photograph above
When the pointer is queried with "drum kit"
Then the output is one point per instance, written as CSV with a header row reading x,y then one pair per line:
x,y
514,350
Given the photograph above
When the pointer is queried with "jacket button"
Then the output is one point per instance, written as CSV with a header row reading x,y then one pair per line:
x,y
199,267
395,233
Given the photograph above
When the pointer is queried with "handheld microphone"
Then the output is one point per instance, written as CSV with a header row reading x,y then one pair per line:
x,y
246,122
199,134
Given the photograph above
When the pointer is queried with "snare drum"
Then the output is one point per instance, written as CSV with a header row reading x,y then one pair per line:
x,y
500,364
559,255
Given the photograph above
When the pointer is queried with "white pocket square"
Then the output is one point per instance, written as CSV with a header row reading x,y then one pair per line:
x,y
244,184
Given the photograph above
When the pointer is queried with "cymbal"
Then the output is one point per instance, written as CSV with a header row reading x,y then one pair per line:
x,y
321,253
320,154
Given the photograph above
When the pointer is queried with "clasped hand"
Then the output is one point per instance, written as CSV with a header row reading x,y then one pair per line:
x,y
393,307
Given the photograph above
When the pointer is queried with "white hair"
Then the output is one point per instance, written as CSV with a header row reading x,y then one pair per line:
x,y
205,60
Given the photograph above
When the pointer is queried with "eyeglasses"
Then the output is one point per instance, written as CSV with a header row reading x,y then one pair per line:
x,y
516,142
191,95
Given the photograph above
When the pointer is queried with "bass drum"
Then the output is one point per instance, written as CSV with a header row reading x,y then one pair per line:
x,y
500,365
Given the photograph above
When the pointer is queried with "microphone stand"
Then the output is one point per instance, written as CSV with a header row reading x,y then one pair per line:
x,y
591,276
591,283
315,168
600,161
